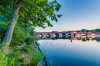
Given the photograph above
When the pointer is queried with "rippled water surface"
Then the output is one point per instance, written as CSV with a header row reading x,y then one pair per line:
x,y
75,53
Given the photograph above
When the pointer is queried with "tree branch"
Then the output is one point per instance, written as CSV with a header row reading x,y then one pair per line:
x,y
19,2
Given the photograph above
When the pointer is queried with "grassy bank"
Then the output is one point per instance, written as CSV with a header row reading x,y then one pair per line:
x,y
21,50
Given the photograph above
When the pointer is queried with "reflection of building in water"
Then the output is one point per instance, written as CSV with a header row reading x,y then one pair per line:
x,y
91,35
85,35
68,35
97,34
60,35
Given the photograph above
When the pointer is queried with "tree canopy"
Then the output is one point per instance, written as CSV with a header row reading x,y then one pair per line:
x,y
32,12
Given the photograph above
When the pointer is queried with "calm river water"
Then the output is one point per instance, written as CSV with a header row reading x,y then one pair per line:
x,y
66,53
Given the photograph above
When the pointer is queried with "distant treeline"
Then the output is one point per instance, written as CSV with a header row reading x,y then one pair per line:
x,y
85,30
96,30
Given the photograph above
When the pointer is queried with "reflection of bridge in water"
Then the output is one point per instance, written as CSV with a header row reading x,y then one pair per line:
x,y
68,35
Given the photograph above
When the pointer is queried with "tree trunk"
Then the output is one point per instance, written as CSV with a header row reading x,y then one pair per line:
x,y
8,36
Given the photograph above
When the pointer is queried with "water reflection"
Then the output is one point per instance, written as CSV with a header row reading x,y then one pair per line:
x,y
76,53
84,40
36,45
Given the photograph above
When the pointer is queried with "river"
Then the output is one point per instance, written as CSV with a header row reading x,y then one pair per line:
x,y
66,53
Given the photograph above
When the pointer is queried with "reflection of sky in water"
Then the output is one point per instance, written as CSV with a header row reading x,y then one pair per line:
x,y
63,52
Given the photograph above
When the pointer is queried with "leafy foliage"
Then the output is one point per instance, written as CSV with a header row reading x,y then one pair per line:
x,y
35,58
39,12
19,36
3,27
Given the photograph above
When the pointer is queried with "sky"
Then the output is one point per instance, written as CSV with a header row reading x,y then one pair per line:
x,y
77,14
